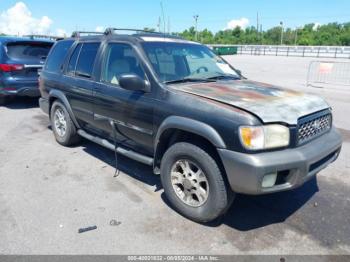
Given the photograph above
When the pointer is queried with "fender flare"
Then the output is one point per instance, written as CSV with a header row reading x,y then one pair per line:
x,y
192,126
61,96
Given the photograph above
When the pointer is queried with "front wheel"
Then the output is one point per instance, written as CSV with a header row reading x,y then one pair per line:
x,y
193,183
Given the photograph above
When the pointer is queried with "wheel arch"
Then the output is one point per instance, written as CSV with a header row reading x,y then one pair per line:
x,y
59,95
176,129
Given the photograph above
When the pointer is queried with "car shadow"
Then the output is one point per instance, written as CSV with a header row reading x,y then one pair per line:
x,y
22,102
246,213
134,169
250,212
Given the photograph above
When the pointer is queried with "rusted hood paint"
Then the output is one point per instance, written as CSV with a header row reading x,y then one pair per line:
x,y
269,103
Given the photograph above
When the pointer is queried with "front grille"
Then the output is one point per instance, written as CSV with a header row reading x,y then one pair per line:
x,y
313,127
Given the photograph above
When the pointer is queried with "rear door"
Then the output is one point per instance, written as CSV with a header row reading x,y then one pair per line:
x,y
28,56
79,81
50,77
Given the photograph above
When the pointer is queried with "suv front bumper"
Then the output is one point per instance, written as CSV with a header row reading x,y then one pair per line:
x,y
245,172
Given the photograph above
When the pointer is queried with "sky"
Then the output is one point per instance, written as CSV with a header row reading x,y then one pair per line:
x,y
59,17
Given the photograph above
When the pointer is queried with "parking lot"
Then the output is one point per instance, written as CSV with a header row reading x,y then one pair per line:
x,y
48,192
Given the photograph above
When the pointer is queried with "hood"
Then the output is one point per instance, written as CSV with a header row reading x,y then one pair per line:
x,y
269,103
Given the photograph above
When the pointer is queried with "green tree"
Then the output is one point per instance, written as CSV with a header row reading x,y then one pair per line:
x,y
309,34
189,34
345,36
206,37
149,29
273,36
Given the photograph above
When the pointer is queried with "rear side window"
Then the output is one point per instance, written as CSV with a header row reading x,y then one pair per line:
x,y
86,59
73,60
28,50
57,55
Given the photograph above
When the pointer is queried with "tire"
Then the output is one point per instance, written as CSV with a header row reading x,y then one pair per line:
x,y
69,136
218,195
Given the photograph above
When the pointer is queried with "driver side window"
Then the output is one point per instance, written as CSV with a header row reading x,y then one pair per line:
x,y
120,59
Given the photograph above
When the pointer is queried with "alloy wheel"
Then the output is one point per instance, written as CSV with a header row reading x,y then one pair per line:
x,y
189,183
60,122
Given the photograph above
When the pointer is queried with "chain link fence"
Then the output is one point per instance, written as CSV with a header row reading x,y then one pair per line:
x,y
296,51
333,73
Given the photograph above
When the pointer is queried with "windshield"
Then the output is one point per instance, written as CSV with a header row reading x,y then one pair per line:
x,y
177,61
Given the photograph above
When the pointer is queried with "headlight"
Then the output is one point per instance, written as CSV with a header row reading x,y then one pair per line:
x,y
264,137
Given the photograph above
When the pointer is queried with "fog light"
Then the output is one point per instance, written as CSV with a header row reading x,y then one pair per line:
x,y
269,180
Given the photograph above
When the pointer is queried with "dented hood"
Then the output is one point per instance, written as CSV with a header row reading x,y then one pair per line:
x,y
269,103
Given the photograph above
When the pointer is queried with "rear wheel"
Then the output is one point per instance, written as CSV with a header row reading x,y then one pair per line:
x,y
62,125
193,183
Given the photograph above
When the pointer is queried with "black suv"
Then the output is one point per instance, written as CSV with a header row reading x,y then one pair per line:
x,y
20,60
175,105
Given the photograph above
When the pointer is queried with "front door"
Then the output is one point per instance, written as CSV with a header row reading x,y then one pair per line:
x,y
130,111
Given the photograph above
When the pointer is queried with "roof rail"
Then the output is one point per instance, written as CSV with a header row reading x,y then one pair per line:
x,y
110,31
51,37
79,33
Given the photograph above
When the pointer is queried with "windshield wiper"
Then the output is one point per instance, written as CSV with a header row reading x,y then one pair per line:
x,y
218,77
189,79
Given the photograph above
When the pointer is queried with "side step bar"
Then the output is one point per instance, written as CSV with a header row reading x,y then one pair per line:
x,y
126,152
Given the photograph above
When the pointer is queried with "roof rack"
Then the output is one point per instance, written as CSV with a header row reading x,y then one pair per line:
x,y
51,37
141,32
79,33
110,30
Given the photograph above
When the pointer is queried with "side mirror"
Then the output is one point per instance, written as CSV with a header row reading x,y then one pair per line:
x,y
133,82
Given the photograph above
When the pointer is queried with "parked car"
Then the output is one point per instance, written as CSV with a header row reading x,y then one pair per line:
x,y
20,60
176,106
